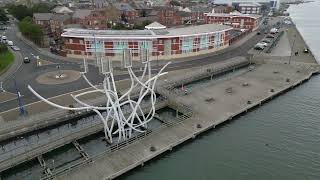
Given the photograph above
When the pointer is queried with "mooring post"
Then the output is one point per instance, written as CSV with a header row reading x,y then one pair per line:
x,y
1,90
177,113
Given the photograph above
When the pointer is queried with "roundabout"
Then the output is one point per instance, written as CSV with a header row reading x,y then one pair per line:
x,y
58,77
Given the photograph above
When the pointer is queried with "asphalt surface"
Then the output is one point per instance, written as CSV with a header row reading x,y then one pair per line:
x,y
27,73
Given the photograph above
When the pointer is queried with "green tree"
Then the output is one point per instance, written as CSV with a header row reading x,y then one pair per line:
x,y
142,25
3,48
20,11
31,31
3,16
41,8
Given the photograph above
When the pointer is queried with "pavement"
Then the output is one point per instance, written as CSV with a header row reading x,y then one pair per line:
x,y
28,73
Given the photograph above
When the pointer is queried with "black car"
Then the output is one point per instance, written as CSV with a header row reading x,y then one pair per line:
x,y
26,60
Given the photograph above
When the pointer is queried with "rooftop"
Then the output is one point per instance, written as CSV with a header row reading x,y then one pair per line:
x,y
255,16
148,34
249,5
42,16
81,13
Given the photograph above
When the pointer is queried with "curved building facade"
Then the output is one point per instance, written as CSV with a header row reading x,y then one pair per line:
x,y
160,43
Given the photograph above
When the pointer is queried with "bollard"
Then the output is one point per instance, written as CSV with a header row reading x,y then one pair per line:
x,y
199,126
153,149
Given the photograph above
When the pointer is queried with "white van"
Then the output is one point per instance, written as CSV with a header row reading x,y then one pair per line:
x,y
10,43
4,39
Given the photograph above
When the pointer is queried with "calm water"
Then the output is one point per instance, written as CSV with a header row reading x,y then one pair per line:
x,y
280,140
306,17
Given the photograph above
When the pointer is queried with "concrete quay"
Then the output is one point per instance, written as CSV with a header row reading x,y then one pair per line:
x,y
228,99
32,150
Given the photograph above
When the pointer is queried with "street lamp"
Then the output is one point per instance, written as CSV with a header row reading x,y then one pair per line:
x,y
23,112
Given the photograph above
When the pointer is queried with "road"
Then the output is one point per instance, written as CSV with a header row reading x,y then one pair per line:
x,y
27,73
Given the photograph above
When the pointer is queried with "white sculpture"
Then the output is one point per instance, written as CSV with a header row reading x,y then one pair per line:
x,y
117,122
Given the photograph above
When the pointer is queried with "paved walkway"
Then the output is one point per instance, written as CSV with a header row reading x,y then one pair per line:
x,y
208,115
283,48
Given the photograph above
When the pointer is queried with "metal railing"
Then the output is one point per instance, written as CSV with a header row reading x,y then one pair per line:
x,y
113,148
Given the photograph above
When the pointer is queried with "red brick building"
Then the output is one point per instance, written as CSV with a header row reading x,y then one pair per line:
x,y
127,11
162,43
97,19
236,20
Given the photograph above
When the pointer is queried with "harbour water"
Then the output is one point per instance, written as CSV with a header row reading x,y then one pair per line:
x,y
279,140
306,18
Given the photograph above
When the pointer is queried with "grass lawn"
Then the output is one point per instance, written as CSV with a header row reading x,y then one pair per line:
x,y
5,60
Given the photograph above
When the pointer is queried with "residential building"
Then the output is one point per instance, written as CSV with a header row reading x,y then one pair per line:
x,y
249,8
235,19
128,13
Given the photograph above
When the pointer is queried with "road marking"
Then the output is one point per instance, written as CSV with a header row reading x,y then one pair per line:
x,y
72,92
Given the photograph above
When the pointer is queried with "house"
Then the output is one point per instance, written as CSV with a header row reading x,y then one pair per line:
x,y
79,16
165,15
128,13
57,24
143,8
222,9
182,17
249,8
43,20
100,4
97,19
199,11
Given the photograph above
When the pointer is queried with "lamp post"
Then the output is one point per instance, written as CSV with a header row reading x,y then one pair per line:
x,y
23,112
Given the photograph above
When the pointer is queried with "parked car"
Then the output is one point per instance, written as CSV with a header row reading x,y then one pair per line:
x,y
258,33
26,60
15,48
270,36
263,44
274,31
306,50
266,41
3,39
259,47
